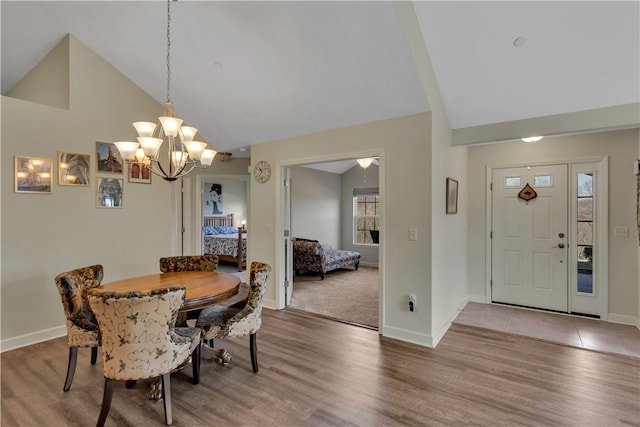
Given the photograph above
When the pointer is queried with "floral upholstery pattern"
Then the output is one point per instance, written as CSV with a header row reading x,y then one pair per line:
x,y
313,256
189,263
137,332
224,244
221,321
82,327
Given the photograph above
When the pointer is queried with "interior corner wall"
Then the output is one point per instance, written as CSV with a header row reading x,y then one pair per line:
x,y
48,82
356,178
621,147
449,231
404,146
316,205
46,234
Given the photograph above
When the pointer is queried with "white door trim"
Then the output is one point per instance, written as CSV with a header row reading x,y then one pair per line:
x,y
602,206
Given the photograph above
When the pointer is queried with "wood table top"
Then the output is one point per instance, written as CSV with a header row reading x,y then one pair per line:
x,y
204,288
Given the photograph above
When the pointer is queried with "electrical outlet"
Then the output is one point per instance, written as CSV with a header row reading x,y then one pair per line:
x,y
412,303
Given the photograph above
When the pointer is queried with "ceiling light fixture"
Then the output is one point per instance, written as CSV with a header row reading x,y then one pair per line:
x,y
183,153
532,138
365,163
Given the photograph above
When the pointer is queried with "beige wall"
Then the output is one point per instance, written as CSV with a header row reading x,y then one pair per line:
x,y
46,234
403,147
315,205
621,147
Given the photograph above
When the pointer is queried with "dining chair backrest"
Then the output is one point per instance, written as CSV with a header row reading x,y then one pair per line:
x,y
189,263
82,327
137,332
249,319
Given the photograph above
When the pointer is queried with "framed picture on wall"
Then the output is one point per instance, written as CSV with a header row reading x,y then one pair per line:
x,y
108,158
140,174
73,169
33,175
452,196
213,199
109,192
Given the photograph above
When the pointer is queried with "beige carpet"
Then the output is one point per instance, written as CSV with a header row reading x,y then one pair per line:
x,y
345,294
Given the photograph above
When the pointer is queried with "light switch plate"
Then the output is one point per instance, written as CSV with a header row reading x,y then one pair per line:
x,y
621,231
413,234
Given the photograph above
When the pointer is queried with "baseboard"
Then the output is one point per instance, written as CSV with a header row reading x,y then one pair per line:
x,y
477,298
408,336
369,264
269,303
32,338
623,319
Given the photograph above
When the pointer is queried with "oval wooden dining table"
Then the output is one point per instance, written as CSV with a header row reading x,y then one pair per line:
x,y
203,288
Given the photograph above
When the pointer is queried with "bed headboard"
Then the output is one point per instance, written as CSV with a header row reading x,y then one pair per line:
x,y
218,221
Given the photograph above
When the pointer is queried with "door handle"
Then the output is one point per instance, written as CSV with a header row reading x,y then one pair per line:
x,y
560,245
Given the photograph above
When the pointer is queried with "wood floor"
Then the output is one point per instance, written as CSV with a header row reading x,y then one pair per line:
x,y
317,372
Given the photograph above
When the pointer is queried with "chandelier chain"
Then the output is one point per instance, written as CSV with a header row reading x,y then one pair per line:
x,y
168,50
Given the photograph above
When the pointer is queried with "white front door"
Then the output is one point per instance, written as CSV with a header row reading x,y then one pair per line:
x,y
530,238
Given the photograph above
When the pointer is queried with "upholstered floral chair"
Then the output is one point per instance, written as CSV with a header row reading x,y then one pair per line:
x,y
139,340
82,327
189,263
222,321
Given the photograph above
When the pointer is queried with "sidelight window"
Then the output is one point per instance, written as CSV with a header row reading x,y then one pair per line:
x,y
585,235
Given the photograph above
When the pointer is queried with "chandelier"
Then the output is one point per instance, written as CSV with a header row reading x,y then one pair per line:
x,y
183,154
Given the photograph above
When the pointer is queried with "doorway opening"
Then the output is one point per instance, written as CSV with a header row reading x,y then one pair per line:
x,y
323,209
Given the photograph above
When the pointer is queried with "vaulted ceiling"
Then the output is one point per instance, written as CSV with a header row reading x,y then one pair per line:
x,y
250,72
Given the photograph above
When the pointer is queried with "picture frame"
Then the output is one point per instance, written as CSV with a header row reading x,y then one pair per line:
x,y
33,175
140,174
213,199
74,169
108,158
452,196
109,192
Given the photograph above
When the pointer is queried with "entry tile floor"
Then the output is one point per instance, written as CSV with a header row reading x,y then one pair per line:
x,y
575,331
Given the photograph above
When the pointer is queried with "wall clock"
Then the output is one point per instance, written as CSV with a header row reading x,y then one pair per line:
x,y
262,171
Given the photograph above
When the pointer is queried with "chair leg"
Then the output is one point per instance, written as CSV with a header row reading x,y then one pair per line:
x,y
71,367
166,398
195,363
94,355
253,348
106,401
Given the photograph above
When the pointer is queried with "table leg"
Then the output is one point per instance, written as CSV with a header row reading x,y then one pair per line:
x,y
219,355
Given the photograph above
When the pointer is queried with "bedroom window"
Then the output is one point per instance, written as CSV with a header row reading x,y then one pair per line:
x,y
366,222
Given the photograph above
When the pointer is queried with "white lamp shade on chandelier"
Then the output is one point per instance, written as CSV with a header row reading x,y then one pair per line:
x,y
183,152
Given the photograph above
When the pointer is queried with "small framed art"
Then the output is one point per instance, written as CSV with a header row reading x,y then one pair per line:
x,y
74,169
452,196
33,175
139,173
108,158
109,192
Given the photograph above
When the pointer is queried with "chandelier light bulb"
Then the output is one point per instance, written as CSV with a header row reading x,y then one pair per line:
x,y
365,163
187,133
127,148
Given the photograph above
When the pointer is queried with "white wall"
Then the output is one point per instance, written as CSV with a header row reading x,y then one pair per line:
x,y
316,205
46,234
622,148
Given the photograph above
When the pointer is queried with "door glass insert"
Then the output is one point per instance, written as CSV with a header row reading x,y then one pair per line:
x,y
542,181
585,221
512,181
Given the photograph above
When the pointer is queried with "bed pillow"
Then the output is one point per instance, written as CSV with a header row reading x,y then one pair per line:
x,y
209,231
226,230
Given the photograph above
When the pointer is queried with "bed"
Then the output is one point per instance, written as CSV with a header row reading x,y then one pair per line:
x,y
230,247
